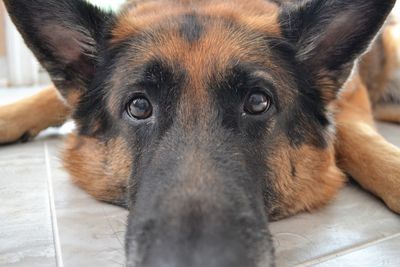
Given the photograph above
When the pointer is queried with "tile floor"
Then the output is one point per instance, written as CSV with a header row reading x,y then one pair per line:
x,y
47,221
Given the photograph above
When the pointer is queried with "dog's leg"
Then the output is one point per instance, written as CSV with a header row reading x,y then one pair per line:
x,y
24,119
362,152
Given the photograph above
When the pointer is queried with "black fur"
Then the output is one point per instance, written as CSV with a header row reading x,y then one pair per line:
x,y
305,121
191,28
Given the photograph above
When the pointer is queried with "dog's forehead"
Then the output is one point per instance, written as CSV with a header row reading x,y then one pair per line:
x,y
204,38
143,15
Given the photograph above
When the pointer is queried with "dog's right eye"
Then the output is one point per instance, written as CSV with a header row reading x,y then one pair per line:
x,y
140,108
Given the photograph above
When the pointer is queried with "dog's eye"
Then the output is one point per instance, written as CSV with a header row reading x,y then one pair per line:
x,y
140,108
257,103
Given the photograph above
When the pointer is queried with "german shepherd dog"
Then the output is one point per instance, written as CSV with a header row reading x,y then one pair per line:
x,y
209,118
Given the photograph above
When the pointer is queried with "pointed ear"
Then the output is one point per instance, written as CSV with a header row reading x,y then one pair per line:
x,y
64,35
329,36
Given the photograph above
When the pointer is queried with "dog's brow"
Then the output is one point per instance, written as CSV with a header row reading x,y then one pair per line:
x,y
263,75
156,71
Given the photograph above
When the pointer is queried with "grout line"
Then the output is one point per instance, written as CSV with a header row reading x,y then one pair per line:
x,y
56,236
343,252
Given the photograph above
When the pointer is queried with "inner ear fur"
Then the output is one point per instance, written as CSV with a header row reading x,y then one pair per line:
x,y
64,35
329,36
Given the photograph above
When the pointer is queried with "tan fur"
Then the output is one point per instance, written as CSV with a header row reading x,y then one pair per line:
x,y
100,168
212,53
26,118
311,182
257,14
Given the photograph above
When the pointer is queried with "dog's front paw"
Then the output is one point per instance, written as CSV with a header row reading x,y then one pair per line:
x,y
393,204
389,185
15,124
392,199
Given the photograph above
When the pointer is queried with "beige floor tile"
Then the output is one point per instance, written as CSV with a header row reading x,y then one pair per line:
x,y
382,254
91,233
26,237
354,218
391,132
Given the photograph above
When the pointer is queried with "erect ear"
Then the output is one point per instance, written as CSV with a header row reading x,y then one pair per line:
x,y
64,35
329,35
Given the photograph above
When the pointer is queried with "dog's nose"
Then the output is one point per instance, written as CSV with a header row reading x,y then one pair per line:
x,y
209,252
200,260
184,265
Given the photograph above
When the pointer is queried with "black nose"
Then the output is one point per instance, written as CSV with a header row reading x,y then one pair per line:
x,y
202,243
221,254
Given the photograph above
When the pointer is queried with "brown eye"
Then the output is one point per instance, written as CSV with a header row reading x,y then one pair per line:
x,y
257,103
140,108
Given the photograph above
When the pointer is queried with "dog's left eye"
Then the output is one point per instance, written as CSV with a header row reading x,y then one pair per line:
x,y
257,103
140,108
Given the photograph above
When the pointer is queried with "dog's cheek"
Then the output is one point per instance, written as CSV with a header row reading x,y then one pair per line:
x,y
102,168
304,179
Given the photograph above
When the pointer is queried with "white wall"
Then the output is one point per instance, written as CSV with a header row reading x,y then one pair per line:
x,y
108,4
22,67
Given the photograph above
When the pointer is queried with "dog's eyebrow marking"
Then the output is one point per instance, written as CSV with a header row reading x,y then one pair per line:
x,y
156,71
263,75
191,28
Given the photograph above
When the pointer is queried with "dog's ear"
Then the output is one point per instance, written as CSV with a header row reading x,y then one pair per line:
x,y
329,35
64,35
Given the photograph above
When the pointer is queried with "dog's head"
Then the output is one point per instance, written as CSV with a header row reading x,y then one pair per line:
x,y
223,106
